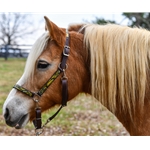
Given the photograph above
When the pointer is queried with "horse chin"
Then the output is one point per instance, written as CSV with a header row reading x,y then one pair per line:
x,y
22,121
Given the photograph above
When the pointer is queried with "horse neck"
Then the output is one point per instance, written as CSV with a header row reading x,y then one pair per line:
x,y
139,122
78,66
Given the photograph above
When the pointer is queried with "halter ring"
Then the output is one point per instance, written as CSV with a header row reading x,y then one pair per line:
x,y
36,97
61,68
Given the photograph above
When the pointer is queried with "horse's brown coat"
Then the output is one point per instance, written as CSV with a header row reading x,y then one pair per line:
x,y
90,70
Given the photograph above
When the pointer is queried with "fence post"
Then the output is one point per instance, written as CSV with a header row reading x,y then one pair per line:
x,y
6,52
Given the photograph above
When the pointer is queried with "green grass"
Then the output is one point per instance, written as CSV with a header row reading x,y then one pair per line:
x,y
82,116
10,71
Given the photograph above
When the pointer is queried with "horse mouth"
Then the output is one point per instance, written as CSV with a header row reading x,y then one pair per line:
x,y
22,121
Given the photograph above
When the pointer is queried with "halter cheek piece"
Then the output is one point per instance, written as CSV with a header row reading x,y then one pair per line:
x,y
36,95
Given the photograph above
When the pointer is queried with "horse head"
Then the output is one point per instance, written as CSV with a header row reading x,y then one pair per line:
x,y
43,61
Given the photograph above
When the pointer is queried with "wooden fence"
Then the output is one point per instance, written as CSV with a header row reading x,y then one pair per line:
x,y
14,51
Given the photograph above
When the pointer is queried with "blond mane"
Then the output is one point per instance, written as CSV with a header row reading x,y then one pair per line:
x,y
119,64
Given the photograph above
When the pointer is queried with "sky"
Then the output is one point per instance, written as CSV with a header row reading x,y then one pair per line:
x,y
65,12
64,20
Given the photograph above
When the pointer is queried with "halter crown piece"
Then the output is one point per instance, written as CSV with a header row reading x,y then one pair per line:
x,y
36,95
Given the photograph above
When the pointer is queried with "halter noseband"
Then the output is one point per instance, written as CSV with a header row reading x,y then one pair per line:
x,y
36,95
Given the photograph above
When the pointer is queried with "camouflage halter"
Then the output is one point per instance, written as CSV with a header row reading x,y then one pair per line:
x,y
36,95
42,90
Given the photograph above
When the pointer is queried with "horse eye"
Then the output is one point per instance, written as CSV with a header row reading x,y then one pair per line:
x,y
42,64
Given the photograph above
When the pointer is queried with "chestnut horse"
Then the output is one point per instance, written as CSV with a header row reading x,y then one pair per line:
x,y
110,62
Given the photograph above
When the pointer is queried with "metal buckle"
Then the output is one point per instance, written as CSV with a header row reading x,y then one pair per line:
x,y
39,131
64,76
66,46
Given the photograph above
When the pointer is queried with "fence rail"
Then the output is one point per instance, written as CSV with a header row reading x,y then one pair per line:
x,y
14,51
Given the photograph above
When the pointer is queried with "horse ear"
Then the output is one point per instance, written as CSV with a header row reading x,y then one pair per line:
x,y
54,31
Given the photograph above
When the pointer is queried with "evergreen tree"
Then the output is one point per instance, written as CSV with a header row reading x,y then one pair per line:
x,y
138,19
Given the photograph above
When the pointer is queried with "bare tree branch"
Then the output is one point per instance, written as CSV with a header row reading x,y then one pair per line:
x,y
14,27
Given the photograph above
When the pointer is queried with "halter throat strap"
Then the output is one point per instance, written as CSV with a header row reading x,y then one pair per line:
x,y
36,95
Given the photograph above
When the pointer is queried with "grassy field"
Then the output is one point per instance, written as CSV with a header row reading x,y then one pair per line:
x,y
82,116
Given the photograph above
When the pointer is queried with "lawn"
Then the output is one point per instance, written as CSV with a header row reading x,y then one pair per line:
x,y
82,116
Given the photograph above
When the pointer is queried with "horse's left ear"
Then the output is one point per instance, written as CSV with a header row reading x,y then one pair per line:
x,y
54,31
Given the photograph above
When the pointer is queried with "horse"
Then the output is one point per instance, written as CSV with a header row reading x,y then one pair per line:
x,y
110,62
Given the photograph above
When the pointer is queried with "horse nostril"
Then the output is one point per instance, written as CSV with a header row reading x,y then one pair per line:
x,y
6,115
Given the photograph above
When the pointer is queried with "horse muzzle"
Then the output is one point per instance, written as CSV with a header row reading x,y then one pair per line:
x,y
18,122
16,111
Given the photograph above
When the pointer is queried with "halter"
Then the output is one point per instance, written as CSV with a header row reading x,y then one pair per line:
x,y
37,95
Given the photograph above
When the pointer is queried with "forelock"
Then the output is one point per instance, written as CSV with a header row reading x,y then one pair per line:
x,y
35,52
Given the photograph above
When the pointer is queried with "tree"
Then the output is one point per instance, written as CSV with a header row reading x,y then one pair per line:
x,y
14,27
138,19
102,21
